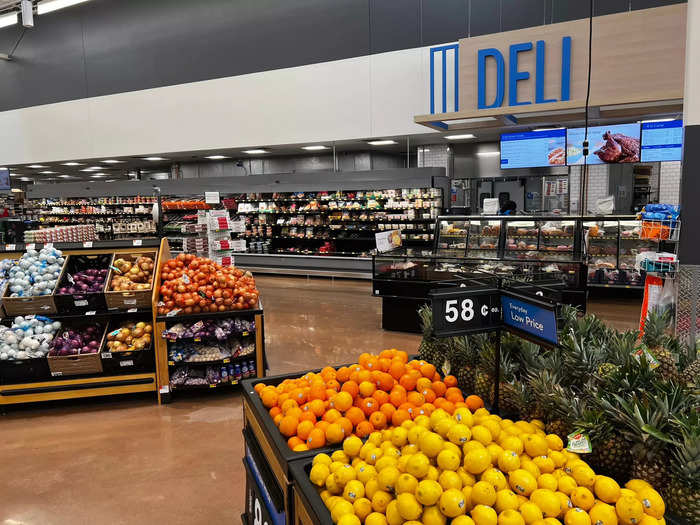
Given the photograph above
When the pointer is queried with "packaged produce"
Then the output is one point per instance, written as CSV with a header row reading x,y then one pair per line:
x,y
29,337
130,336
91,280
191,284
36,273
76,341
209,328
132,275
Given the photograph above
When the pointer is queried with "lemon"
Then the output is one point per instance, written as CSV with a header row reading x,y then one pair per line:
x,y
637,485
651,501
341,456
408,424
510,517
493,427
494,451
325,496
565,503
448,460
481,413
375,438
412,522
352,446
371,487
572,463
495,477
449,479
477,461
530,466
366,472
544,463
433,473
606,489
385,462
349,519
554,442
603,514
318,474
376,518
567,484
547,501
408,507
472,445
521,500
577,516
433,516
452,503
483,493
387,478
415,432
454,448
463,415
558,457
522,482
535,445
418,465
530,512
582,497
390,450
483,515
366,449
323,459
467,493
462,520
584,475
374,455
513,443
459,434
399,437
648,520
508,460
547,481
428,492
380,500
341,508
332,486
629,510
430,444
506,499
344,474
467,479
362,508
627,492
437,415
353,491
513,430
481,434
406,483
356,462
386,435
392,513
335,465
443,426
551,521
409,449
559,473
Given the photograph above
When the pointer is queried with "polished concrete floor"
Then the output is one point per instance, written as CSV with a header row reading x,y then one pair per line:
x,y
130,461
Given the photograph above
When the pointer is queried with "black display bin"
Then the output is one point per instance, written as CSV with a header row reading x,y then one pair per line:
x,y
308,506
84,302
23,370
115,363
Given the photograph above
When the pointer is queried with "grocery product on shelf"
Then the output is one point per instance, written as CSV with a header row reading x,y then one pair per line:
x,y
27,338
36,273
130,336
85,281
132,274
75,233
85,339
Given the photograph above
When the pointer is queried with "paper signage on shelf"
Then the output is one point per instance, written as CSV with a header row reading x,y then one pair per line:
x,y
87,244
10,247
490,206
212,197
530,317
137,242
238,245
388,240
238,226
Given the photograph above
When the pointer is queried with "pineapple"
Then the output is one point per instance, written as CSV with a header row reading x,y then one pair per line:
x,y
610,455
508,398
691,373
429,349
683,494
563,405
656,340
538,396
484,380
463,358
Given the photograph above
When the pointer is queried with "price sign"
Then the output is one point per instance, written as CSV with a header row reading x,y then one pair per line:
x,y
137,242
10,247
460,311
87,244
212,197
530,318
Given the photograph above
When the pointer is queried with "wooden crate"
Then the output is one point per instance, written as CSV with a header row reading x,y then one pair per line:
x,y
39,304
74,365
82,302
309,508
134,298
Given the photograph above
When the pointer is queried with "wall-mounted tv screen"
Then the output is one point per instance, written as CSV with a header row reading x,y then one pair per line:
x,y
609,144
4,179
533,149
662,141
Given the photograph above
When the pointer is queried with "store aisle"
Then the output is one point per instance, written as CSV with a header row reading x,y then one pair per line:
x,y
129,461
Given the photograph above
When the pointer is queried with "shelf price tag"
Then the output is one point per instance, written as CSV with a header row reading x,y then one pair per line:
x,y
132,310
227,360
87,244
212,197
465,310
137,242
90,312
213,385
10,247
106,355
30,246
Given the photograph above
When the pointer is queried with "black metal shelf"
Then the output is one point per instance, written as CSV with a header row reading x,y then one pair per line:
x,y
207,315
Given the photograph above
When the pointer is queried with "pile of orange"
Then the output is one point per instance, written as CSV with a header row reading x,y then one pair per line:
x,y
378,392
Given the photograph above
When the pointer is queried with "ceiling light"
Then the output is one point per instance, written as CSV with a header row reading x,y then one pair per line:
x,y
659,120
111,180
26,179
48,6
36,166
460,137
66,176
94,168
154,158
16,190
381,142
47,172
97,175
488,153
549,129
112,161
314,148
72,164
216,157
15,174
8,20
254,151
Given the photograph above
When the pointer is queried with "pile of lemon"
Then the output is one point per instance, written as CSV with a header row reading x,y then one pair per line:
x,y
473,469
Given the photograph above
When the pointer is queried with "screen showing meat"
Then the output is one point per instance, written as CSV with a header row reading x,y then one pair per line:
x,y
533,149
610,144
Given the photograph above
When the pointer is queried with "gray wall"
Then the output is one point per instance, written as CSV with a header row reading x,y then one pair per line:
x,y
469,164
103,47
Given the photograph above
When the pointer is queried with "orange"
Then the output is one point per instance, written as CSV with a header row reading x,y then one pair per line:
x,y
333,384
384,364
474,402
334,433
397,396
346,425
378,420
387,354
369,405
269,398
316,439
403,356
323,425
288,425
351,388
448,406
428,370
399,416
316,406
259,387
274,411
429,395
293,442
450,381
298,395
332,415
281,398
343,374
415,364
415,398
330,393
288,404
367,388
364,429
388,410
408,382
317,391
355,415
304,429
372,363
307,416
363,375
362,360
454,394
341,401
436,376
294,412
381,397
328,373
276,420
396,369
423,383
460,404
385,382
428,408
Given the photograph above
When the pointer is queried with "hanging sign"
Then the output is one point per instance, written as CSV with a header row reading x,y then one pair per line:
x,y
465,310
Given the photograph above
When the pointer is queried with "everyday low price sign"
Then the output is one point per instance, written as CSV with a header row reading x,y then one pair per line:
x,y
530,317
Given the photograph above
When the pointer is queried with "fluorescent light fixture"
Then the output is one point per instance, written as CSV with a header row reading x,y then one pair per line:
x,y
112,161
26,179
36,166
97,176
66,176
16,190
488,153
548,129
659,120
47,6
15,174
216,157
8,20
47,172
314,148
72,164
93,168
153,159
461,137
254,151
381,142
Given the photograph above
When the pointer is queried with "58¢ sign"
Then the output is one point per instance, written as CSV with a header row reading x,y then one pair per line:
x,y
461,311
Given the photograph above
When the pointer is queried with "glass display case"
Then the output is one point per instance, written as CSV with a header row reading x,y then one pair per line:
x,y
451,239
541,239
484,238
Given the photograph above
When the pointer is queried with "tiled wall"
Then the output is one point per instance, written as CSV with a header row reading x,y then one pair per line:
x,y
435,156
670,182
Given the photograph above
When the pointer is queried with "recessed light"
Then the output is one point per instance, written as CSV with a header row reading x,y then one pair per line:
x,y
112,161
16,190
94,168
26,179
461,137
47,172
15,174
72,164
36,166
314,148
254,151
97,175
381,142
9,19
488,153
153,159
216,157
66,176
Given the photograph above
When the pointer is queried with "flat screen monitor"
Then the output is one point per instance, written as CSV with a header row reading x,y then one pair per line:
x,y
662,141
611,144
533,149
4,179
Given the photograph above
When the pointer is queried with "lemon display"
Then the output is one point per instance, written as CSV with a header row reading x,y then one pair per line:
x,y
452,503
428,492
